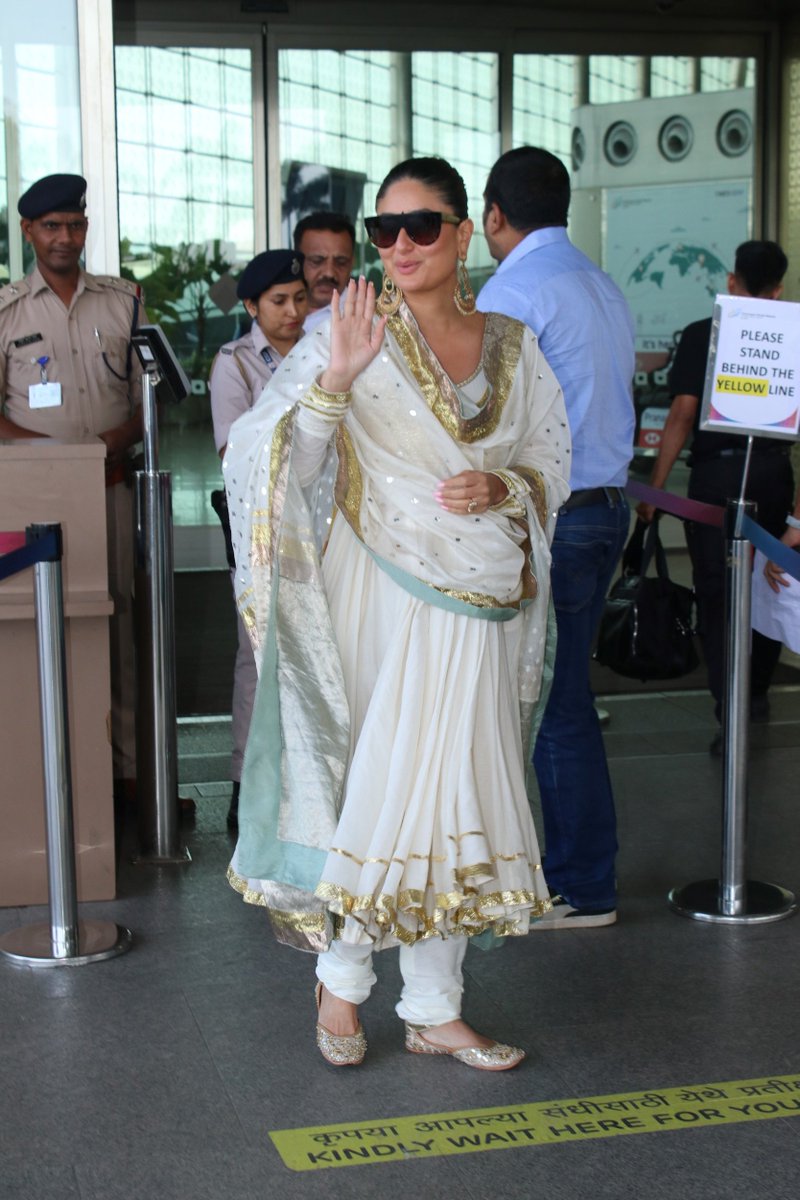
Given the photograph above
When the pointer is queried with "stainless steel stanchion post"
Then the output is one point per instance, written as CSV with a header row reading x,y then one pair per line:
x,y
156,722
733,898
65,941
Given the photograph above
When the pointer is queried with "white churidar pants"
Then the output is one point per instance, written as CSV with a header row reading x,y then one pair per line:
x,y
431,970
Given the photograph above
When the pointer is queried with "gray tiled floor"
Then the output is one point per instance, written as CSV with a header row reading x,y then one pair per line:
x,y
157,1076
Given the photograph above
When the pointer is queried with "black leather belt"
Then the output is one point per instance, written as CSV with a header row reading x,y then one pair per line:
x,y
612,496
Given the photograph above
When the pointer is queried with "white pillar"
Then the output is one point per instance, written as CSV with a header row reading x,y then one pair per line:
x,y
99,134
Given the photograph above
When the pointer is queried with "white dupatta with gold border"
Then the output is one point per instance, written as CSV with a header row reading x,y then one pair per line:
x,y
402,430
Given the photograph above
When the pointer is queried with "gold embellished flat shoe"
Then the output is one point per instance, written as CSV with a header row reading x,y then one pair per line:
x,y
497,1057
340,1050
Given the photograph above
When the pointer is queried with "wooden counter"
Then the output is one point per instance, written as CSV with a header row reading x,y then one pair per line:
x,y
46,480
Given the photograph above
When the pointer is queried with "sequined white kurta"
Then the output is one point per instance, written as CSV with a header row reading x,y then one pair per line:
x,y
383,796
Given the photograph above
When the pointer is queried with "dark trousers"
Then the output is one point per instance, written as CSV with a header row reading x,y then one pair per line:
x,y
580,829
771,486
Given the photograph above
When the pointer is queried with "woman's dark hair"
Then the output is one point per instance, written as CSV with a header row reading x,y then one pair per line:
x,y
530,186
760,265
434,173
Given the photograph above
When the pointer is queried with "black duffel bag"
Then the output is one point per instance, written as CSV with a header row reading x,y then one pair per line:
x,y
647,628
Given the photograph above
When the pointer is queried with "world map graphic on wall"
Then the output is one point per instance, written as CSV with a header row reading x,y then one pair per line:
x,y
670,249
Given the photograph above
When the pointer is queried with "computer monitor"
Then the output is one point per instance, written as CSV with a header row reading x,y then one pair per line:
x,y
155,353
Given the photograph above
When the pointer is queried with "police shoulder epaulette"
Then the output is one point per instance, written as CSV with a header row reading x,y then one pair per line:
x,y
120,285
13,291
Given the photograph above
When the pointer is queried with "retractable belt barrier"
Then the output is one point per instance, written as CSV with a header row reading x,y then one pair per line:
x,y
733,898
64,941
45,549
714,514
156,722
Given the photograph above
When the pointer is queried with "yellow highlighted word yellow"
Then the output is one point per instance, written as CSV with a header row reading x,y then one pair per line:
x,y
742,387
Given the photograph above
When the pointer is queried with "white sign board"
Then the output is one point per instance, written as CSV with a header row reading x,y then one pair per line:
x,y
753,374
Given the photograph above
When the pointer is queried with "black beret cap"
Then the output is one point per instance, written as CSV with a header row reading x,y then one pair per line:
x,y
54,193
266,270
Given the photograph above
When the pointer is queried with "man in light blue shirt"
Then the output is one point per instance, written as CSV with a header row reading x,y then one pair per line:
x,y
587,335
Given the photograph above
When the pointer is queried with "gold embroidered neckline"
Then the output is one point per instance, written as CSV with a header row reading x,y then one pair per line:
x,y
500,351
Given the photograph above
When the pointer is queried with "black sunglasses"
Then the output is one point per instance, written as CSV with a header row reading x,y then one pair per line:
x,y
422,226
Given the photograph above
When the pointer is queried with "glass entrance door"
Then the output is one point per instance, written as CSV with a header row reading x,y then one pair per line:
x,y
41,114
191,206
661,151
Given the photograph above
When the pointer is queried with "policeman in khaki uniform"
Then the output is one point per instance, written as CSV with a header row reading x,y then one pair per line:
x,y
274,293
67,371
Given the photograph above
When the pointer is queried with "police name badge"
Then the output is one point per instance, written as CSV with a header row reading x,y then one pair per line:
x,y
44,395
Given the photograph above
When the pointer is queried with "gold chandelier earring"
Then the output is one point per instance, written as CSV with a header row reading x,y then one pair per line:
x,y
390,299
464,296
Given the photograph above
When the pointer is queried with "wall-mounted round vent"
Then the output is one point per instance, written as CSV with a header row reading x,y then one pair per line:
x,y
578,148
734,133
620,143
675,138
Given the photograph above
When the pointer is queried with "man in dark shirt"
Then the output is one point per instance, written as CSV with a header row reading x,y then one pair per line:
x,y
717,461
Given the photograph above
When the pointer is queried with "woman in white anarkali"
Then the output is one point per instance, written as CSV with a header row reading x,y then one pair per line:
x,y
383,796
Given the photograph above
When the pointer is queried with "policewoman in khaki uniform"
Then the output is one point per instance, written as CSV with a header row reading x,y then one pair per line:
x,y
67,371
274,294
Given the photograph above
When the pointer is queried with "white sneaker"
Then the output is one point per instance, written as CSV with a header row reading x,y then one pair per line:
x,y
564,916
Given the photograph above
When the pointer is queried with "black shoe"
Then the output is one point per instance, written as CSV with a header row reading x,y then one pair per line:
x,y
232,818
759,714
187,809
564,916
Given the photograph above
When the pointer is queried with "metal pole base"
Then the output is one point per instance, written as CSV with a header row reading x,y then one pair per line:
x,y
163,860
31,945
763,902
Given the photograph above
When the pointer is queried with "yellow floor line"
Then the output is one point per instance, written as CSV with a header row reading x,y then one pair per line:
x,y
430,1135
